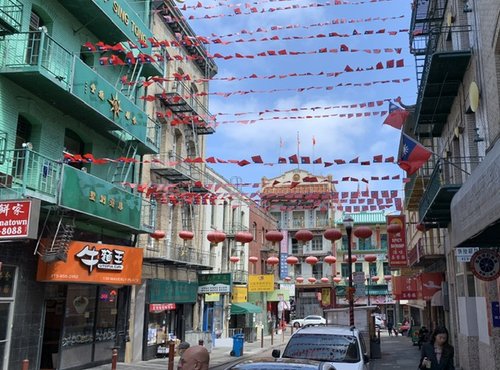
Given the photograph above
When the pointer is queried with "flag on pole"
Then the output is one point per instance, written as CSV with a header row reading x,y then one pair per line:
x,y
397,116
413,155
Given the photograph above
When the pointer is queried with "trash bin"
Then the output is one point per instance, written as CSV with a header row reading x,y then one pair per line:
x,y
238,340
375,351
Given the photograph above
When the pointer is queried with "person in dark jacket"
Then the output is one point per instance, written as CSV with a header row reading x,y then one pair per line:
x,y
423,333
437,354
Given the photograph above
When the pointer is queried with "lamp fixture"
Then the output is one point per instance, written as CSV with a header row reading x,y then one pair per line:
x,y
467,7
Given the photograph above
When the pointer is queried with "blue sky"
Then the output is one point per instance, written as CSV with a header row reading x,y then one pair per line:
x,y
335,137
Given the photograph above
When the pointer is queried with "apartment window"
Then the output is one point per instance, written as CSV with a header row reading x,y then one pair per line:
x,y
317,270
344,242
317,243
358,267
321,218
383,241
295,246
213,214
298,269
277,216
364,244
373,269
254,231
344,270
387,270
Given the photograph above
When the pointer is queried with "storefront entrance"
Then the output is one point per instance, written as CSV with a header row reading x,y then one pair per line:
x,y
81,325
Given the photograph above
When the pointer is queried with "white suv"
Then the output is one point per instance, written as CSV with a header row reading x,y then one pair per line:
x,y
343,347
308,320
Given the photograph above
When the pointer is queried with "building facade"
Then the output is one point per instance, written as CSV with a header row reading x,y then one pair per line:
x,y
64,121
457,48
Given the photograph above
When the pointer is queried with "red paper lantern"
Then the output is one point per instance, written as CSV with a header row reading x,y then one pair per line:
x,y
394,228
362,232
186,235
421,227
243,237
325,280
330,259
216,237
234,259
274,236
287,279
375,278
337,279
311,280
370,258
272,261
312,260
158,234
253,259
332,234
353,259
387,277
304,236
292,260
299,280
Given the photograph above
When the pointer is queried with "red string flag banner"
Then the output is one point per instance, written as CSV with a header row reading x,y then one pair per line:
x,y
397,116
413,155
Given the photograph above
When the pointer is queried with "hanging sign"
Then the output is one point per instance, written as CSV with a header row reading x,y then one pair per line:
x,y
19,219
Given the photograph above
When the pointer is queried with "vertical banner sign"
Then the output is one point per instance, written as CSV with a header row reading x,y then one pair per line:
x,y
397,242
284,256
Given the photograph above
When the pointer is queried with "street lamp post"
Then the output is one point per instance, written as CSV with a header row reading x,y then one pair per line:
x,y
348,224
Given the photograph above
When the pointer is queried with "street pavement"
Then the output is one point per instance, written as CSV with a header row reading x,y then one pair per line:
x,y
397,353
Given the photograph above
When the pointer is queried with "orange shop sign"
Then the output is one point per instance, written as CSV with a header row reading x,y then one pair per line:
x,y
95,264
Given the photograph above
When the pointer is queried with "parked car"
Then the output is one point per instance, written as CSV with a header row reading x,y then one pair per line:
x,y
281,364
308,320
343,347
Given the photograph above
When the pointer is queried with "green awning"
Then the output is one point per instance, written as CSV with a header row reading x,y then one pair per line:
x,y
244,308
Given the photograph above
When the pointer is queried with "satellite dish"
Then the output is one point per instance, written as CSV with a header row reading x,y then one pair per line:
x,y
473,96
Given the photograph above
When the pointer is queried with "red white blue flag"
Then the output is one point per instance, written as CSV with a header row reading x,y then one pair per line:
x,y
413,155
397,116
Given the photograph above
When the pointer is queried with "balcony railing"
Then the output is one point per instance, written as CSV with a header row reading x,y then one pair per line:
x,y
427,249
177,253
240,276
39,63
232,228
24,172
185,102
175,169
11,13
448,176
37,50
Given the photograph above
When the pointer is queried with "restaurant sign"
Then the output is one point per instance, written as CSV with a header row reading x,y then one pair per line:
x,y
397,242
95,263
19,219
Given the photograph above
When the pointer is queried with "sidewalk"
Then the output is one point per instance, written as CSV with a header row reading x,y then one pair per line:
x,y
218,356
397,353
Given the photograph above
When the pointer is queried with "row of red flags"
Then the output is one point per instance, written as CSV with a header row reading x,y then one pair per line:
x,y
200,5
333,195
255,10
275,28
256,159
143,58
202,40
225,94
389,64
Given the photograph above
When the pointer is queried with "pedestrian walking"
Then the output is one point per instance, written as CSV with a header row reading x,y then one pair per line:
x,y
437,354
390,325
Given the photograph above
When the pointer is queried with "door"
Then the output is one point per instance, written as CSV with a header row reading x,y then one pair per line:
x,y
53,323
7,287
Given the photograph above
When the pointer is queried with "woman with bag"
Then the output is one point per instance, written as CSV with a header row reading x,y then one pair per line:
x,y
437,354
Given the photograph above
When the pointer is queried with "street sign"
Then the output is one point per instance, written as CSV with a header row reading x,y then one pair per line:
x,y
464,254
358,277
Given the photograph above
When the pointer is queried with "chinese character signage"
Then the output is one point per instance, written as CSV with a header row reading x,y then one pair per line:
x,y
161,291
464,254
19,219
96,264
261,283
239,294
283,265
214,283
397,242
100,199
404,287
159,307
